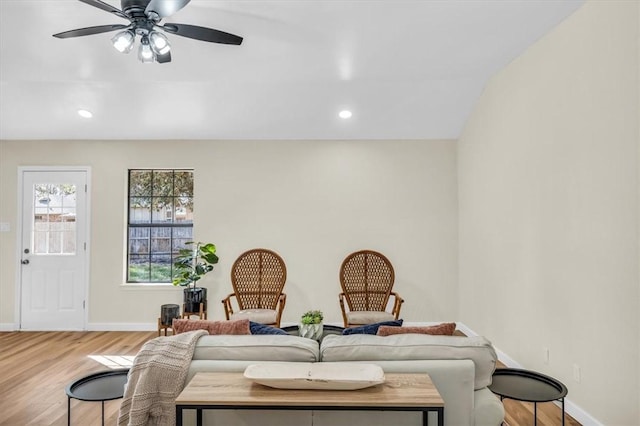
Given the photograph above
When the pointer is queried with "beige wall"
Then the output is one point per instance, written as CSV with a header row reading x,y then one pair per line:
x,y
548,200
313,202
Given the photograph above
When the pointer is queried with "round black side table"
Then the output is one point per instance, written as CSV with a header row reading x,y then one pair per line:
x,y
529,386
102,386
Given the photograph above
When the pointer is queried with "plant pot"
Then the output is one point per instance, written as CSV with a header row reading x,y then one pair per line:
x,y
192,297
310,331
168,313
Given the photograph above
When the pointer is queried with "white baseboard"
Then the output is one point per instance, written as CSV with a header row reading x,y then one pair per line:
x,y
119,326
571,408
116,326
8,326
580,415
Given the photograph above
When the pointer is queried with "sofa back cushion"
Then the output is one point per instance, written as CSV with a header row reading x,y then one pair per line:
x,y
399,347
257,348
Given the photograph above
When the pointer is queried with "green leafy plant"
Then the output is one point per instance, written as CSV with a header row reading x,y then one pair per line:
x,y
192,264
312,317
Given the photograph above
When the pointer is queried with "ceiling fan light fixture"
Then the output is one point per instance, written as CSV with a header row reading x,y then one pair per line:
x,y
145,54
123,41
144,18
159,43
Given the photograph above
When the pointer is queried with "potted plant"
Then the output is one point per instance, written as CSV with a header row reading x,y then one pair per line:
x,y
190,266
311,325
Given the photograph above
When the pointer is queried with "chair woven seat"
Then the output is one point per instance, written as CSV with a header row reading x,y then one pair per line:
x,y
367,279
258,277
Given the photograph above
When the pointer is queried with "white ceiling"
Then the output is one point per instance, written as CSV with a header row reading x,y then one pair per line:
x,y
407,69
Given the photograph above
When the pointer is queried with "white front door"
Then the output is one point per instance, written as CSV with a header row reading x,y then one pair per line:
x,y
53,256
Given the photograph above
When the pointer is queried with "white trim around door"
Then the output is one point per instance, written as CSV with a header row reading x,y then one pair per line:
x,y
82,246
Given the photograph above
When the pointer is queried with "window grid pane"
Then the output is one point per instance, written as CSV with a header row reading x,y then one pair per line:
x,y
160,222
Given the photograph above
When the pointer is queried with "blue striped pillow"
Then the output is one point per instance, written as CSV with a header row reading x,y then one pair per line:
x,y
371,328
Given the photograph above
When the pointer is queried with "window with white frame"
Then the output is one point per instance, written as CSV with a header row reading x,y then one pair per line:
x,y
160,222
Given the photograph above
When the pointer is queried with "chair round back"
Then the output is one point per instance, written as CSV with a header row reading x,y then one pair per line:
x,y
258,277
367,278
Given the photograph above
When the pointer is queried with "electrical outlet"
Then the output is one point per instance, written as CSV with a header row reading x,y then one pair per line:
x,y
576,373
546,355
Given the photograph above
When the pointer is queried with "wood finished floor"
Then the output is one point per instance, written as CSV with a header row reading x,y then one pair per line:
x,y
35,368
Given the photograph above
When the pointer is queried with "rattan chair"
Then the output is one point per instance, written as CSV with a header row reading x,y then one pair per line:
x,y
367,278
258,277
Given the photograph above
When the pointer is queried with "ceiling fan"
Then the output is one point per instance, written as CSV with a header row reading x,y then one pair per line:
x,y
144,18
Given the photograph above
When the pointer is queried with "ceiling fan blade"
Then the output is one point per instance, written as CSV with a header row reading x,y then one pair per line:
x,y
90,30
164,8
107,7
202,33
164,58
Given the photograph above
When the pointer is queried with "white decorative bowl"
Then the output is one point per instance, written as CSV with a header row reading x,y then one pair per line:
x,y
320,375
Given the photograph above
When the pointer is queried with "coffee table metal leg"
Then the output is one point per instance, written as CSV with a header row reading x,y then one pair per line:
x,y
438,411
199,417
535,414
562,411
102,413
178,415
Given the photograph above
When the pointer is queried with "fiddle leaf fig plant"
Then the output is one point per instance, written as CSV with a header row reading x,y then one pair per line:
x,y
192,264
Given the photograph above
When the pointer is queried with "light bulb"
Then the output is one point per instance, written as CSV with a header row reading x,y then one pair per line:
x,y
345,114
159,43
123,41
145,54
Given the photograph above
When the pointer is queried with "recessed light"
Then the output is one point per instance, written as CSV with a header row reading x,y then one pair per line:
x,y
344,114
84,113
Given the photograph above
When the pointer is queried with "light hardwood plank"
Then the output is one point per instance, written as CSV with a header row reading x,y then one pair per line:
x,y
36,367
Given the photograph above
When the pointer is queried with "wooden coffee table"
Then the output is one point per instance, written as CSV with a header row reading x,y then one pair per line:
x,y
224,391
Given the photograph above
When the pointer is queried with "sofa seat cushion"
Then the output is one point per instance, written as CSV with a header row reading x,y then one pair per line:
x,y
263,316
368,317
263,347
365,347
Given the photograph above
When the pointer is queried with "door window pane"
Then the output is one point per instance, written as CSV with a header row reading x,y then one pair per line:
x,y
54,219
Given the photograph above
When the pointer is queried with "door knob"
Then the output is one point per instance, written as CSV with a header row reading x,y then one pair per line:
x,y
25,262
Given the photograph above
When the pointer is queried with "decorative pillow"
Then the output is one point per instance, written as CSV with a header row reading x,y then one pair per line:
x,y
213,327
444,329
371,328
257,328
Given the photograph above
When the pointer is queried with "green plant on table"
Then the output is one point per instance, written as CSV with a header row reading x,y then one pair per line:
x,y
312,317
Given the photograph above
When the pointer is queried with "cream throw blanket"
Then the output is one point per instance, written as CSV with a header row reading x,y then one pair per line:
x,y
155,380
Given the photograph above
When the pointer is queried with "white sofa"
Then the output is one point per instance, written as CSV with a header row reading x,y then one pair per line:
x,y
460,367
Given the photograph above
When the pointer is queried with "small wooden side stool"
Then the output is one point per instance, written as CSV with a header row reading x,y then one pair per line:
x,y
164,327
167,314
202,314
